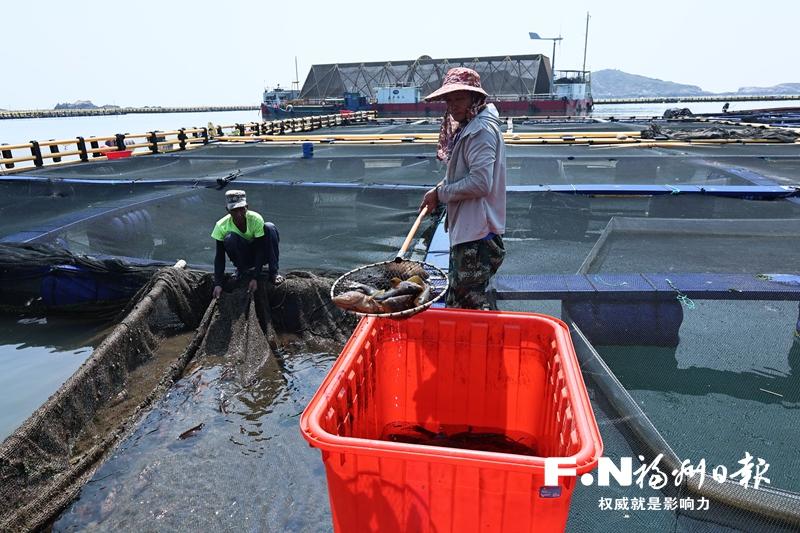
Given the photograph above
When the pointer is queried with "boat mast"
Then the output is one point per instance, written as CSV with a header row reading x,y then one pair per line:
x,y
296,82
585,44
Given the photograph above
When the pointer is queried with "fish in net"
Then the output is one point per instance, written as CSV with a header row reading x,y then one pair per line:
x,y
392,289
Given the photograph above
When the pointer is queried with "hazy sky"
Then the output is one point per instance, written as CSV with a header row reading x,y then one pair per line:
x,y
225,52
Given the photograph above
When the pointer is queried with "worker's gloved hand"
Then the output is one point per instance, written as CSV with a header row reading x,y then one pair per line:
x,y
277,279
217,292
252,286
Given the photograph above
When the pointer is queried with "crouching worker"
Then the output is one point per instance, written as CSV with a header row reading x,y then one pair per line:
x,y
249,242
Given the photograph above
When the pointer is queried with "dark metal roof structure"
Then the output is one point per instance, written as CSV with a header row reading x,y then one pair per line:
x,y
500,75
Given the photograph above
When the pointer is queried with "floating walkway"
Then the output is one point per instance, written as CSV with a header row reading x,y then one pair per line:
x,y
648,286
616,233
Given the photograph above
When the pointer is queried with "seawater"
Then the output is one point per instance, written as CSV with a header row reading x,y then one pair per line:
x,y
36,356
13,131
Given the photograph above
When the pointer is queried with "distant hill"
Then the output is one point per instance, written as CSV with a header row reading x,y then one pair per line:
x,y
82,104
783,88
612,83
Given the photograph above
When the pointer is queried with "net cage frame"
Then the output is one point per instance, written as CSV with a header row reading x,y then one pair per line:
x,y
435,274
569,188
735,506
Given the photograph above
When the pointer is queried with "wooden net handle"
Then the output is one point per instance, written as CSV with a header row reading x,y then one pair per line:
x,y
411,234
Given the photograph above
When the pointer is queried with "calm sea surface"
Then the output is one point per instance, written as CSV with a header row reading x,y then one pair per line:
x,y
36,356
24,130
27,129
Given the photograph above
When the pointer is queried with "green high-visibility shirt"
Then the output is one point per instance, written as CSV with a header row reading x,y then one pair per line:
x,y
225,225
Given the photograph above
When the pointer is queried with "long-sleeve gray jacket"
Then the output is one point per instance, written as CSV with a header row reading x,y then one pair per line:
x,y
474,188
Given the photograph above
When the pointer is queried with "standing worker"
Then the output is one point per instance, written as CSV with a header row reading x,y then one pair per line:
x,y
249,242
474,187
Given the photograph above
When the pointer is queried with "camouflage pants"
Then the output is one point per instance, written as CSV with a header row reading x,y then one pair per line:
x,y
472,264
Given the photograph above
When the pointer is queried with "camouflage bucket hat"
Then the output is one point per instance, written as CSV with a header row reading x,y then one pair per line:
x,y
234,199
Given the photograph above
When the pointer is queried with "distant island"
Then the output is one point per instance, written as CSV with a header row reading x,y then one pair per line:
x,y
611,83
83,104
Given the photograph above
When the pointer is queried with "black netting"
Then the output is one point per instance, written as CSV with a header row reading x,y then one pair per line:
x,y
45,462
695,245
649,430
321,228
38,278
748,132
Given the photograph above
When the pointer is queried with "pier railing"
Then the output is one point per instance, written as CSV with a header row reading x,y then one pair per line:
x,y
37,154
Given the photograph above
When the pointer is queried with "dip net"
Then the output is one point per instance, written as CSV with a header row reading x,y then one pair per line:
x,y
379,276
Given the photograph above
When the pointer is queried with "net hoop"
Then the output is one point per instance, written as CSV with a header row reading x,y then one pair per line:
x,y
437,279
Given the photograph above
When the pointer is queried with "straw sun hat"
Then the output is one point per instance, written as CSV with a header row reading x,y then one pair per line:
x,y
458,79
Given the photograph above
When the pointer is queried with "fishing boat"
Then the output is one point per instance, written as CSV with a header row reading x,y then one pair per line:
x,y
275,108
570,95
519,85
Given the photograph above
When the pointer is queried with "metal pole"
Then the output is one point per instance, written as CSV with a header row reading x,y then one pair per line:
x,y
296,83
585,43
554,60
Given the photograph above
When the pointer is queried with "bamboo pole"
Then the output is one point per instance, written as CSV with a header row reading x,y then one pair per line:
x,y
21,146
60,154
57,142
20,159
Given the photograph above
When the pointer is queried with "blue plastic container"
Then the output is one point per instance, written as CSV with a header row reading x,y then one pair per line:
x,y
69,285
308,150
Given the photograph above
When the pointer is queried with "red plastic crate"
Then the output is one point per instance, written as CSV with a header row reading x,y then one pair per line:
x,y
513,374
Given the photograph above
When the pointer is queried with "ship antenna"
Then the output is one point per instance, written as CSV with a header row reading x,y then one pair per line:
x,y
296,82
585,44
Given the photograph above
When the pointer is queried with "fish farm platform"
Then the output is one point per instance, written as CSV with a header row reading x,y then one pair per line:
x,y
672,257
